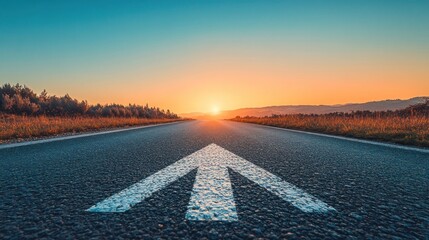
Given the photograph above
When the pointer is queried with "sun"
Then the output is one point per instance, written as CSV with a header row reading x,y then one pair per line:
x,y
215,110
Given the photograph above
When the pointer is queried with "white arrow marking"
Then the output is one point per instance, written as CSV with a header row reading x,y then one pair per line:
x,y
138,192
212,197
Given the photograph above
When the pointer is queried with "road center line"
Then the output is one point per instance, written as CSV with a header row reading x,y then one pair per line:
x,y
212,198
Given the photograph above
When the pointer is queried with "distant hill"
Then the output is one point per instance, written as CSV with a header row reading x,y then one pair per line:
x,y
314,109
193,115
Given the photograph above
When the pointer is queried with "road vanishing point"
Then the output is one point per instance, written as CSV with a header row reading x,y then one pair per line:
x,y
213,179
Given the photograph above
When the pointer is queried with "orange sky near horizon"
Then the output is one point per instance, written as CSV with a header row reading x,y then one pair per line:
x,y
227,78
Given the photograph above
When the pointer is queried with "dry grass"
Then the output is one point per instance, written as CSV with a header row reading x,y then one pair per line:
x,y
409,131
15,128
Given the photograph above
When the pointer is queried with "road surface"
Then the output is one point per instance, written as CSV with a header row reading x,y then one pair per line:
x,y
377,191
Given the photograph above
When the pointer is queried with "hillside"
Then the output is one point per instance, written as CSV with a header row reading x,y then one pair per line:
x,y
384,105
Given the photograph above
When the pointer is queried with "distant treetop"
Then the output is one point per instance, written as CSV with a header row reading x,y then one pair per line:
x,y
21,100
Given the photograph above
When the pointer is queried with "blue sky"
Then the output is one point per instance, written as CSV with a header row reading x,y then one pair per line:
x,y
65,46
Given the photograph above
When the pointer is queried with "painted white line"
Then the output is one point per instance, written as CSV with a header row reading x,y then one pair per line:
x,y
391,145
54,139
212,197
281,188
138,192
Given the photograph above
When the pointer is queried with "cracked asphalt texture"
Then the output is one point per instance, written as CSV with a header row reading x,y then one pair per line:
x,y
379,192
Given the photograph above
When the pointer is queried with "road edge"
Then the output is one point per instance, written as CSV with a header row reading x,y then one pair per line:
x,y
385,144
62,138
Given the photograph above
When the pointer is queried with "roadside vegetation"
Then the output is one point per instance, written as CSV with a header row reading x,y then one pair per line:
x,y
13,127
27,115
408,126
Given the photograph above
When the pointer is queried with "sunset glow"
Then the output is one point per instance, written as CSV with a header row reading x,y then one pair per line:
x,y
215,110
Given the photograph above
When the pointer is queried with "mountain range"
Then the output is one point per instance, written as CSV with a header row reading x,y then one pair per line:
x,y
383,105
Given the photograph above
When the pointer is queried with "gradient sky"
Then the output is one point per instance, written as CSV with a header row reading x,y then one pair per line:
x,y
196,55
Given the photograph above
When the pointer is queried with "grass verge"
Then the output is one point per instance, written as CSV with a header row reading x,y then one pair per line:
x,y
15,128
401,130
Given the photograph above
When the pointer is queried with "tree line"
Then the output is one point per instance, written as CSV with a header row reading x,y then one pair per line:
x,y
21,100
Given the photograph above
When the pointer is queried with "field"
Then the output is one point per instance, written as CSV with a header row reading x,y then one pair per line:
x,y
395,129
17,128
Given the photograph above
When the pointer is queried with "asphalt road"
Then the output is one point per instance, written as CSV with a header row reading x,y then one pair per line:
x,y
378,192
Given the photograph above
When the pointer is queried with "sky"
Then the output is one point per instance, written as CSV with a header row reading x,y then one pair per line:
x,y
198,56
